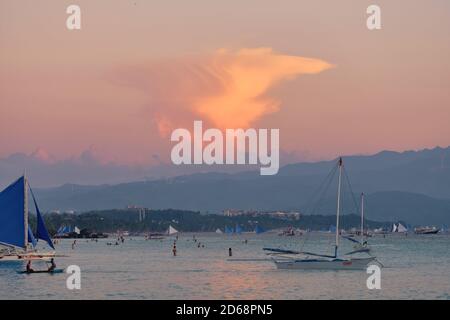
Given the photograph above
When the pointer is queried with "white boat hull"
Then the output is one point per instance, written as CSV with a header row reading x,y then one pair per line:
x,y
322,264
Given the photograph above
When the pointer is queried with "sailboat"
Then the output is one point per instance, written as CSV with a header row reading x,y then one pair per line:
x,y
315,261
259,230
228,230
171,231
361,245
399,228
16,236
218,231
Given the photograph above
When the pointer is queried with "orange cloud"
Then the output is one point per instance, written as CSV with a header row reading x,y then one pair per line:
x,y
226,89
246,76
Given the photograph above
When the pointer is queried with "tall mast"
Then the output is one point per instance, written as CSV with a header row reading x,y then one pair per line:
x,y
338,208
25,209
362,217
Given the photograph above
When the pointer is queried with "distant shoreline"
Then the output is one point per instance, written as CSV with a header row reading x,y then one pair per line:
x,y
133,221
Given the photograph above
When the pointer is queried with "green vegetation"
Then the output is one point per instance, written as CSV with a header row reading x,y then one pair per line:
x,y
191,221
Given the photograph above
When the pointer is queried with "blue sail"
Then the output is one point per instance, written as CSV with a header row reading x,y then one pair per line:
x,y
238,229
12,217
258,230
41,230
31,238
228,230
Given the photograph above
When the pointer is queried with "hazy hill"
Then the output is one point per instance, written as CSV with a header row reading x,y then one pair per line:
x,y
411,186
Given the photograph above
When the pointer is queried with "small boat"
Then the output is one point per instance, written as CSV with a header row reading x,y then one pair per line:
x,y
399,228
155,236
289,232
41,271
380,231
314,261
218,231
171,231
426,230
15,233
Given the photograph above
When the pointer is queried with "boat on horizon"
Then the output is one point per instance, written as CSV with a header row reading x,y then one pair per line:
x,y
288,232
426,230
171,231
259,229
17,240
399,228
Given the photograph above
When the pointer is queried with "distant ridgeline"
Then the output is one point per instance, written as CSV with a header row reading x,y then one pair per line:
x,y
191,221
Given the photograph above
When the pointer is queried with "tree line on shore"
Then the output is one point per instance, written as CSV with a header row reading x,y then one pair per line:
x,y
107,221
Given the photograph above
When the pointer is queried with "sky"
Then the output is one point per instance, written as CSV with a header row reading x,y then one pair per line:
x,y
137,70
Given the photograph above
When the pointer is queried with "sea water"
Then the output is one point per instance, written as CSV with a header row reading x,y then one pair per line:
x,y
415,267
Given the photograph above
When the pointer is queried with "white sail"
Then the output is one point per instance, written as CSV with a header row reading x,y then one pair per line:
x,y
401,228
219,231
171,230
394,228
76,230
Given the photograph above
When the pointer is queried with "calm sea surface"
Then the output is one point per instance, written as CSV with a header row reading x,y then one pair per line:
x,y
415,267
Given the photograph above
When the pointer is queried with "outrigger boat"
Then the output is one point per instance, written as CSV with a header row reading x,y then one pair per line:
x,y
316,261
17,240
426,230
42,271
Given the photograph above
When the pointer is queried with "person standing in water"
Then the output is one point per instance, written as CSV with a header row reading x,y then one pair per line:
x,y
73,244
29,269
52,265
230,252
174,250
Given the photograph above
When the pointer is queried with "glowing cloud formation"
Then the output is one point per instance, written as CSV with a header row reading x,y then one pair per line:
x,y
245,77
225,89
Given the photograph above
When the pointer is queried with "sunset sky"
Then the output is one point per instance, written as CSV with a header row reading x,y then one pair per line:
x,y
139,69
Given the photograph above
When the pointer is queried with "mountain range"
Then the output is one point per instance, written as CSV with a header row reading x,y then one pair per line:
x,y
412,186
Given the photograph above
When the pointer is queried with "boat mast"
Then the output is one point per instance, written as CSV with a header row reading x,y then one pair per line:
x,y
362,217
25,209
338,208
